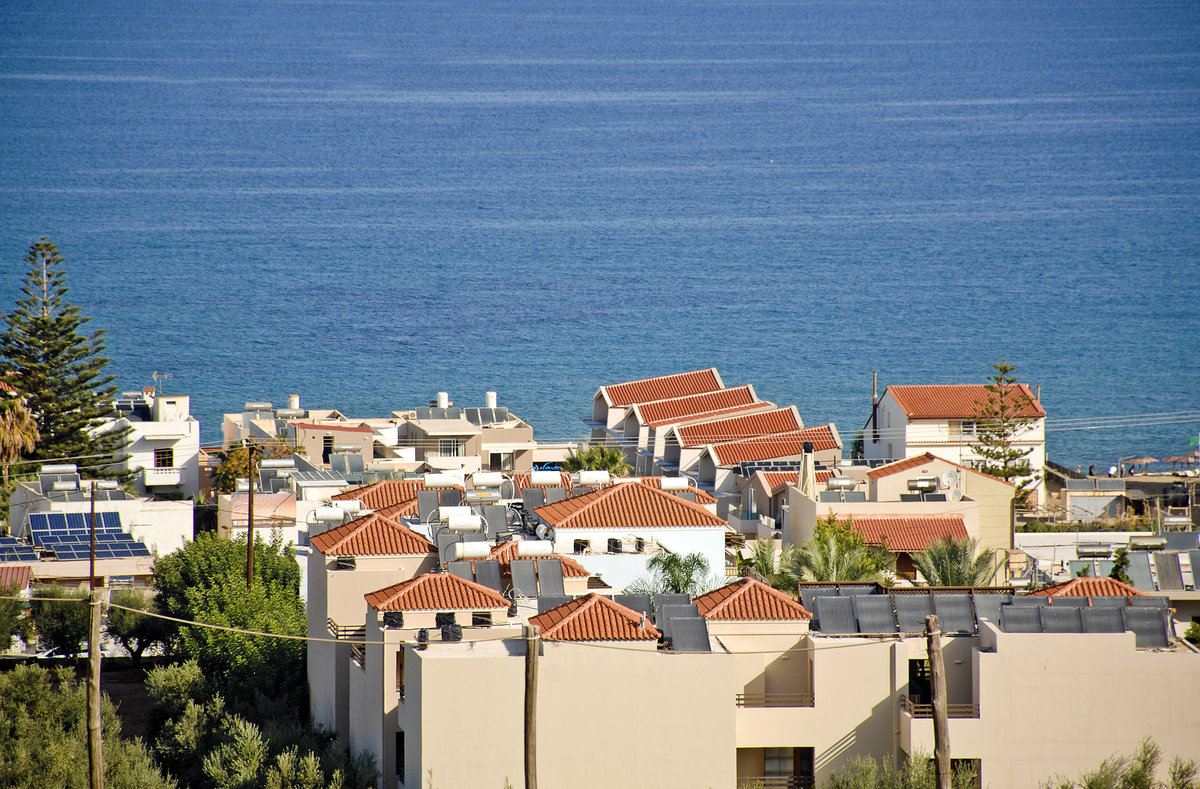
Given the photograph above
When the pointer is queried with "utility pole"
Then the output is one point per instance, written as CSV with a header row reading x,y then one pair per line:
x,y
941,725
250,515
532,646
94,723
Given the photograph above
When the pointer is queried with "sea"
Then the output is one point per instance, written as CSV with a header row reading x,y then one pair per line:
x,y
367,202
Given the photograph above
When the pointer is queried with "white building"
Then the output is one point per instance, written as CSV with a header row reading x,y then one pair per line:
x,y
163,446
943,420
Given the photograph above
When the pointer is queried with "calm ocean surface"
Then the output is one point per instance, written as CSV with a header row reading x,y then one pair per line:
x,y
367,202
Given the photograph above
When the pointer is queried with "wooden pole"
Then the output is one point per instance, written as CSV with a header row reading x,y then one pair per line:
x,y
92,552
250,515
532,646
94,724
941,724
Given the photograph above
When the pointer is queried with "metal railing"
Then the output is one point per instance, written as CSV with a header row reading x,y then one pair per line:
x,y
798,699
775,782
346,633
918,710
358,653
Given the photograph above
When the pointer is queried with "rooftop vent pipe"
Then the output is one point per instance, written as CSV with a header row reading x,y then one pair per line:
x,y
489,400
443,400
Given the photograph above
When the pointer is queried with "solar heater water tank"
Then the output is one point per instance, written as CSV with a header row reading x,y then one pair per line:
x,y
469,550
675,483
487,479
590,477
448,512
277,463
329,514
489,399
531,548
435,481
468,522
289,413
61,468
65,485
841,483
923,484
443,400
259,406
543,479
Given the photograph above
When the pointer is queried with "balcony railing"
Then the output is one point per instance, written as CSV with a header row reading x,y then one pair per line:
x,y
918,710
775,782
358,653
162,476
798,699
345,633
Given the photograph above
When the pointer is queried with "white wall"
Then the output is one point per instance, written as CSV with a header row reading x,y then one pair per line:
x,y
618,570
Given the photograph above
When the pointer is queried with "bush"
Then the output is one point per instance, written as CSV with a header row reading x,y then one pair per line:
x,y
61,624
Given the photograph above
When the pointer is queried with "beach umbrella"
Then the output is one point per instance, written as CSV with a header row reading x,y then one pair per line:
x,y
1143,460
1175,460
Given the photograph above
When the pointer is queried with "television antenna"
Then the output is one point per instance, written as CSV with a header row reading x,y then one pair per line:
x,y
157,376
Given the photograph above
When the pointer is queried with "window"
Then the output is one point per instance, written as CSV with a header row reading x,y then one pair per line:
x,y
326,448
779,763
344,563
450,447
400,755
393,620
920,682
639,545
500,461
614,545
164,458
965,428
481,619
444,618
582,546
400,678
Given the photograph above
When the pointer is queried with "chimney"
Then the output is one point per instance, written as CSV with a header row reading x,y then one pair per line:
x,y
294,402
443,400
489,400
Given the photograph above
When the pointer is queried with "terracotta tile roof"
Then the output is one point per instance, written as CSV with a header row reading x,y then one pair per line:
x,y
626,505
341,428
662,387
407,509
1090,587
15,577
594,617
777,479
706,416
776,420
702,496
505,552
747,599
386,493
916,461
779,445
4,387
371,535
436,592
956,401
676,408
908,532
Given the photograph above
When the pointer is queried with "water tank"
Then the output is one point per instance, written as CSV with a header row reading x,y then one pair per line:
x,y
487,479
259,406
61,468
676,483
489,400
841,483
277,463
443,400
476,549
289,413
294,402
433,481
329,514
590,478
923,484
531,548
541,479
469,522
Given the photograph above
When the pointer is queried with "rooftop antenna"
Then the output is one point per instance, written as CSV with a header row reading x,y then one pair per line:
x,y
157,376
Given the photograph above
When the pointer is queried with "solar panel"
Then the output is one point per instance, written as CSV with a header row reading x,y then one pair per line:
x,y
954,613
809,595
874,614
1170,577
546,602
38,521
427,502
1030,599
452,497
665,599
1150,627
1070,602
533,498
911,610
444,541
687,495
355,463
690,635
638,602
1020,619
855,496
1139,571
1181,540
1104,567
1102,620
423,413
1148,601
851,590
835,615
487,572
1110,602
57,521
1195,557
524,581
76,520
550,576
141,550
1110,484
555,494
1061,620
496,518
1076,565
461,569
665,613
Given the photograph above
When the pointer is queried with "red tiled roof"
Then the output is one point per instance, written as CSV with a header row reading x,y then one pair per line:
x,y
749,599
958,401
662,387
908,532
436,592
506,552
749,408
372,535
15,577
908,464
777,420
405,509
343,428
702,496
594,617
1090,587
626,505
777,479
677,408
386,493
780,445
4,387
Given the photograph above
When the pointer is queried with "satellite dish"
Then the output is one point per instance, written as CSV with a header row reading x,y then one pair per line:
x,y
950,479
956,494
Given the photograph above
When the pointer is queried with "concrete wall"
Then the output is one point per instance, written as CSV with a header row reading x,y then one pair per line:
x,y
803,512
618,570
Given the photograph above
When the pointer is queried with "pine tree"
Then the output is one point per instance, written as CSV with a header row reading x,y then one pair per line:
x,y
1000,420
58,371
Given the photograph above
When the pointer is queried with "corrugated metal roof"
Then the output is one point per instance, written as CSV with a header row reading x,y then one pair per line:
x,y
15,577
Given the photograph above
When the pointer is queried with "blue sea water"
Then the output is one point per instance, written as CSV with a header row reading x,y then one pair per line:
x,y
368,202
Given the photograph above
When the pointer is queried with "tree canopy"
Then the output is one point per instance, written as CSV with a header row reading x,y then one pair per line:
x,y
135,632
608,459
235,462
951,562
998,424
672,573
838,552
61,624
58,370
776,568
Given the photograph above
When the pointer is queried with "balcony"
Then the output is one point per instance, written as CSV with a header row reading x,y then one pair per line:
x,y
162,476
345,632
918,710
761,700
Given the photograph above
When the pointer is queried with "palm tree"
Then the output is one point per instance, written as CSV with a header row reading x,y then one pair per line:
x,y
18,432
951,562
608,459
775,568
827,559
671,573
